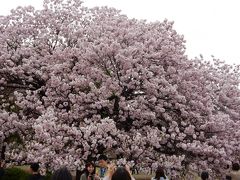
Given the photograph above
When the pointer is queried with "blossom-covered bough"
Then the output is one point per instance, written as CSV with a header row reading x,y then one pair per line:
x,y
76,82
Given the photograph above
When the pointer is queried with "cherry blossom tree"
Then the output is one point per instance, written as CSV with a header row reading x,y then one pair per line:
x,y
76,82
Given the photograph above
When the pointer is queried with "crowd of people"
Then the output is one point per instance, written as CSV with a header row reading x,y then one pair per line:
x,y
106,171
110,171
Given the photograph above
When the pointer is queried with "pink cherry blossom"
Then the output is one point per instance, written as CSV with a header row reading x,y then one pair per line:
x,y
76,82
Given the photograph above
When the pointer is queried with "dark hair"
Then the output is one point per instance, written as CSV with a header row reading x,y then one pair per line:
x,y
160,173
204,175
62,174
235,167
87,165
228,177
34,167
103,157
121,174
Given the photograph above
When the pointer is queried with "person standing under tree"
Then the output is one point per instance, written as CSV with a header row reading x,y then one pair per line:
x,y
102,168
89,172
35,175
118,173
62,174
235,173
160,174
204,175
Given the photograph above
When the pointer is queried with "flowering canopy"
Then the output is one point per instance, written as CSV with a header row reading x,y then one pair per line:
x,y
76,82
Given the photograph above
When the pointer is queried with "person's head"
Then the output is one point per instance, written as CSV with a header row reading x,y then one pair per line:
x,y
90,168
62,174
228,177
160,173
121,173
204,175
102,160
235,167
34,167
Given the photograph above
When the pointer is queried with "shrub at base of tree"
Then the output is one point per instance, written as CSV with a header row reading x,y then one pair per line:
x,y
19,174
15,174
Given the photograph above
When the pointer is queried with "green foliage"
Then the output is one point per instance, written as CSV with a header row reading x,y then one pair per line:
x,y
15,174
48,176
19,174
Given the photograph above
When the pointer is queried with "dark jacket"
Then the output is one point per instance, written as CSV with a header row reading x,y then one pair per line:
x,y
36,177
1,172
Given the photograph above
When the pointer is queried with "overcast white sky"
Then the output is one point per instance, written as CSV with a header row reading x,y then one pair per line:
x,y
210,27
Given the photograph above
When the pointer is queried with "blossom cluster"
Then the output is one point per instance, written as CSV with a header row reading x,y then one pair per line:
x,y
76,82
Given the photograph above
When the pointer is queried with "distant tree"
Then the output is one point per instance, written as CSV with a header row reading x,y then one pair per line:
x,y
76,82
